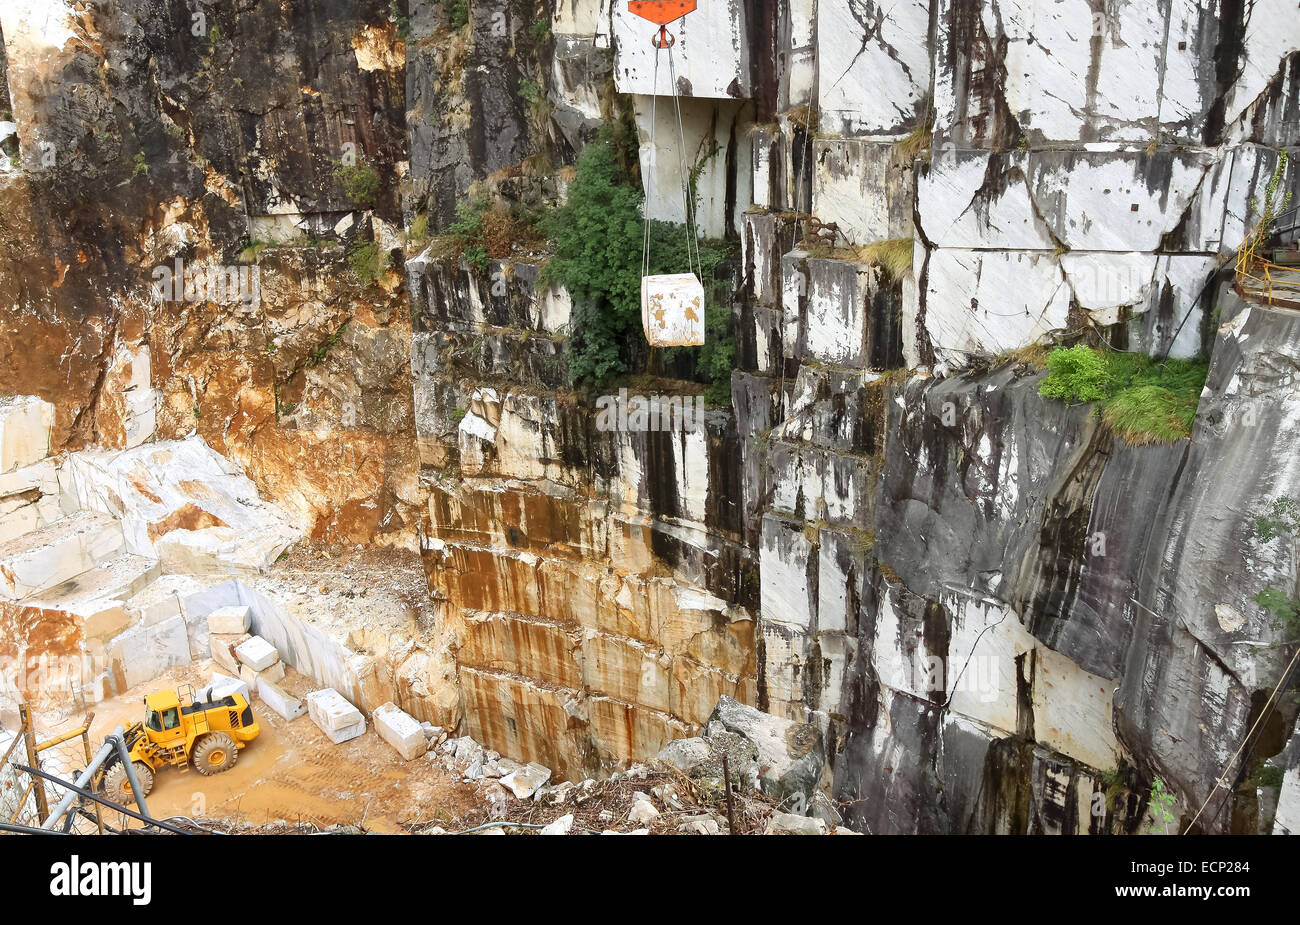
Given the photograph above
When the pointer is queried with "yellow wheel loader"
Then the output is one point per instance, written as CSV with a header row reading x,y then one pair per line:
x,y
178,729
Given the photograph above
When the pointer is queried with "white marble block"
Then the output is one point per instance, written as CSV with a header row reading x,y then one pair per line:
x,y
672,310
256,653
400,730
233,619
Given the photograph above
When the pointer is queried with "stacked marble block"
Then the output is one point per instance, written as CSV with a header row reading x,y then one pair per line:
x,y
816,334
252,658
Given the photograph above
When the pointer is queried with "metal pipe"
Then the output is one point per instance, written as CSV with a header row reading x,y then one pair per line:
x,y
85,746
26,829
70,797
31,782
59,740
119,737
118,807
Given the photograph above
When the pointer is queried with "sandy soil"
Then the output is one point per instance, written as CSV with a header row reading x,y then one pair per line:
x,y
292,772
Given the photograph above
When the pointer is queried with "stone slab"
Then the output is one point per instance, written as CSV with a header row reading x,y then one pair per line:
x,y
233,619
331,711
279,700
400,730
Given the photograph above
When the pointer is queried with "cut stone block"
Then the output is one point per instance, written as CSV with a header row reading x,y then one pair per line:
x,y
257,653
672,310
277,699
254,678
46,558
232,619
223,650
337,718
347,733
25,424
224,685
400,730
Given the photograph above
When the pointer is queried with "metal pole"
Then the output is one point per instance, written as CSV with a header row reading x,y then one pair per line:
x,y
119,739
117,807
26,830
29,736
85,744
71,796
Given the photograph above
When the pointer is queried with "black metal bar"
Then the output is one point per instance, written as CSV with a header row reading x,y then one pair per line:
x,y
26,829
109,803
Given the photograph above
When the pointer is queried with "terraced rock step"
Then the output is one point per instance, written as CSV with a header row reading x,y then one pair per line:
x,y
48,557
100,597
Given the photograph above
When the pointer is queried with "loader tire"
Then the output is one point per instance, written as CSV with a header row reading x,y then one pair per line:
x,y
117,786
216,752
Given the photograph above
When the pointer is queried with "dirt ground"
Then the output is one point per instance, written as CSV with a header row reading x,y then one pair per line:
x,y
292,772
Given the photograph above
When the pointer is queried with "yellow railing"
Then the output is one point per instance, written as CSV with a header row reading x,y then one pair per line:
x,y
1258,276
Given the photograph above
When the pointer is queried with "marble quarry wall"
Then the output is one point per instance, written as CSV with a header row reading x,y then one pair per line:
x,y
1001,616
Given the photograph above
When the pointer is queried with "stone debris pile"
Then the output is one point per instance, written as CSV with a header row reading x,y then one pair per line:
x,y
776,770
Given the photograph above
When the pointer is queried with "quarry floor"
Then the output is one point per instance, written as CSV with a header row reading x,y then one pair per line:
x,y
290,773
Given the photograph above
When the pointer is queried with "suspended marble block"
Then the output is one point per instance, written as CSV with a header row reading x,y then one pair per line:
x,y
672,310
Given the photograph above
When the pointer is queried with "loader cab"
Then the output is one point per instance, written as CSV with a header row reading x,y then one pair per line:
x,y
162,717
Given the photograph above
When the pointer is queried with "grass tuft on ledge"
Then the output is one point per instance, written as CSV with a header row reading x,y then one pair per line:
x,y
1143,401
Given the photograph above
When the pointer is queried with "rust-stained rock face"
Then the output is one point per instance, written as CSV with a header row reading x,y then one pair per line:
x,y
586,575
150,145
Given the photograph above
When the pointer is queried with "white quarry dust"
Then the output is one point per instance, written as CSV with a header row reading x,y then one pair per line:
x,y
290,772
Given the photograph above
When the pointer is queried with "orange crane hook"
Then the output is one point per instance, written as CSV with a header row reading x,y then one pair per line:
x,y
661,13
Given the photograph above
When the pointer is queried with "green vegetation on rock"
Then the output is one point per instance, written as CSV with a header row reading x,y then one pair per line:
x,y
369,262
1283,519
1143,401
458,13
360,182
597,239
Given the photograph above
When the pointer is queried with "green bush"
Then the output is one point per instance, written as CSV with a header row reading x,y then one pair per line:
x,y
1141,400
1283,519
402,22
361,183
1076,374
458,13
597,241
368,262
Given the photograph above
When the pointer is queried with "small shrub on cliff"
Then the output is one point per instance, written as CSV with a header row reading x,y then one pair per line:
x,y
1282,519
398,19
484,231
418,233
361,183
458,13
1153,402
893,255
1160,806
368,262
